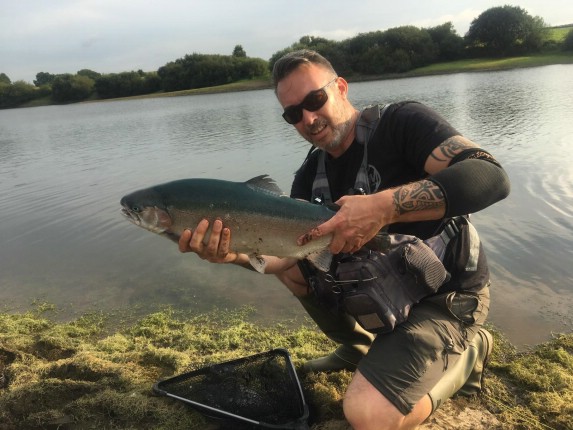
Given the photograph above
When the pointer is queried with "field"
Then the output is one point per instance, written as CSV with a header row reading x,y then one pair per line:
x,y
557,34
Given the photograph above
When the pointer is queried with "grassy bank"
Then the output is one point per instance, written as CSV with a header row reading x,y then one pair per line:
x,y
95,372
494,64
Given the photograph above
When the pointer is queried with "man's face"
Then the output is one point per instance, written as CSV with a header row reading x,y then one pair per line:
x,y
328,127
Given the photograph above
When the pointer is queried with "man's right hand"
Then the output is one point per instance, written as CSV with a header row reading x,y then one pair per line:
x,y
215,249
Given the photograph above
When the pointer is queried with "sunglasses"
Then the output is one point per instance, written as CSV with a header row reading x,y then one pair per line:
x,y
312,102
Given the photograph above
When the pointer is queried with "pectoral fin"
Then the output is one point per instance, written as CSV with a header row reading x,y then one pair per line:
x,y
321,259
258,263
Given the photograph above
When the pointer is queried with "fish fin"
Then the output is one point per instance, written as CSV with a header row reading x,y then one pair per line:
x,y
321,259
171,236
265,184
258,263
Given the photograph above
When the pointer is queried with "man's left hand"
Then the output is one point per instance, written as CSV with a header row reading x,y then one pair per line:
x,y
356,222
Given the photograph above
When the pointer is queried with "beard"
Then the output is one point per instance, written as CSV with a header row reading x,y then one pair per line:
x,y
339,132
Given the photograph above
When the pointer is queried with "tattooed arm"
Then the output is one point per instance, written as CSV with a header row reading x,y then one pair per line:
x,y
361,217
441,156
424,200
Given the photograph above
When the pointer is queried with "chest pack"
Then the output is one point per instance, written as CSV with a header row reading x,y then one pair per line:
x,y
378,285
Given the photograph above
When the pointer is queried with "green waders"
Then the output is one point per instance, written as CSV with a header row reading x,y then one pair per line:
x,y
341,328
465,376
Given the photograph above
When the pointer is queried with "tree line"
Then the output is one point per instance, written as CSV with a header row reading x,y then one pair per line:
x,y
498,32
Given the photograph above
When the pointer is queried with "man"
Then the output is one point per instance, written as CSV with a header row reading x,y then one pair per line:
x,y
411,174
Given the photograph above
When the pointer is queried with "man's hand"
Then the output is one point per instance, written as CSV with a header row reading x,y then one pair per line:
x,y
361,217
356,222
217,248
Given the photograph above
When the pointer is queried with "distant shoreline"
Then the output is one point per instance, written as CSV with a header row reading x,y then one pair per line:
x,y
460,66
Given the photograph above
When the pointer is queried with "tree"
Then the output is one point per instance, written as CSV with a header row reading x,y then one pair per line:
x,y
449,44
414,42
239,52
71,88
127,84
89,73
505,30
44,78
4,79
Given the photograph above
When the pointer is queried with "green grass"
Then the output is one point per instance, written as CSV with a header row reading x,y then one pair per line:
x,y
492,64
90,373
557,34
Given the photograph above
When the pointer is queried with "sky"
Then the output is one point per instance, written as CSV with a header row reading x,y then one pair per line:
x,y
112,36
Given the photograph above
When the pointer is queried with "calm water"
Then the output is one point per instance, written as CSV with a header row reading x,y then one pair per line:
x,y
63,170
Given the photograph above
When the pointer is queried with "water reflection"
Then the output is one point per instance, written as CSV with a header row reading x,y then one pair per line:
x,y
63,170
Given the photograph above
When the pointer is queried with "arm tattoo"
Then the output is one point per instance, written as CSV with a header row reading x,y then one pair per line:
x,y
418,196
449,148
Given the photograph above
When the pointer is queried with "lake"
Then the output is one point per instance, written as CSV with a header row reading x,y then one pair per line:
x,y
63,170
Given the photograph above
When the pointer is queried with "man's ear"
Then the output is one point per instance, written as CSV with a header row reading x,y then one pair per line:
x,y
342,86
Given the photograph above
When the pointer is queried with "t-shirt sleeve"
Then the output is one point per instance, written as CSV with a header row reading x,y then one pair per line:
x,y
419,130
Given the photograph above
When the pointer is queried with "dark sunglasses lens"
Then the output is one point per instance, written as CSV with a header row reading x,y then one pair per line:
x,y
315,100
292,114
312,102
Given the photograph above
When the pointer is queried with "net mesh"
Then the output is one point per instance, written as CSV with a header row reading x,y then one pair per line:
x,y
262,387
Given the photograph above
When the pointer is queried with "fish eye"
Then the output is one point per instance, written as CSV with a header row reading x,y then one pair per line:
x,y
135,209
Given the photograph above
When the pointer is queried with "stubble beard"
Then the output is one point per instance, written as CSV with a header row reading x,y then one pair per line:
x,y
340,133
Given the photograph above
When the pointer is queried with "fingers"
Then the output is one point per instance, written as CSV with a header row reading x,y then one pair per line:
x,y
218,245
197,238
225,243
215,249
322,230
213,243
340,244
184,241
347,242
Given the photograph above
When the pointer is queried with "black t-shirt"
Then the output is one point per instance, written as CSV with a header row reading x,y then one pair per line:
x,y
397,152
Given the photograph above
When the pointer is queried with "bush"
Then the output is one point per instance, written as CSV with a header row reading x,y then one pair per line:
x,y
12,95
71,88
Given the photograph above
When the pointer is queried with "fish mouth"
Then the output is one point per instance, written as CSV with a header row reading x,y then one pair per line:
x,y
148,218
131,216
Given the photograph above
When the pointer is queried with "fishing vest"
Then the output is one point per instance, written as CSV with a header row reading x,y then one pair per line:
x,y
367,123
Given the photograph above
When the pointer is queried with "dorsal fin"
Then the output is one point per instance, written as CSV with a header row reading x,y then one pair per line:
x,y
265,184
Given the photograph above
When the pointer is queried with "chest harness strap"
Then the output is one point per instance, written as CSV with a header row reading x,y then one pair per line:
x,y
365,126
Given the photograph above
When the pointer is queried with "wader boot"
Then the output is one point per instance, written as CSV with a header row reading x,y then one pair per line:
x,y
465,376
341,328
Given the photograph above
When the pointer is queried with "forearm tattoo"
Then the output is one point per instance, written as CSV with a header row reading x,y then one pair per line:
x,y
449,148
418,196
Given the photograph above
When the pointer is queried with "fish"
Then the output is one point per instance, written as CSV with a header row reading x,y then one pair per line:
x,y
262,219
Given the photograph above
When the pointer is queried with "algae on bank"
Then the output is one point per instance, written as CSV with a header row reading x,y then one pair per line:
x,y
89,373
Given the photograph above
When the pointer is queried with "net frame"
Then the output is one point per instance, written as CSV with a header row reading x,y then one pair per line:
x,y
217,375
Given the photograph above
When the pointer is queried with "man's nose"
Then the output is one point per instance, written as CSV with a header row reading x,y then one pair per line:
x,y
308,117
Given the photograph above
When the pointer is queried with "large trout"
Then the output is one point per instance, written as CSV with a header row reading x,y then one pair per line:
x,y
262,219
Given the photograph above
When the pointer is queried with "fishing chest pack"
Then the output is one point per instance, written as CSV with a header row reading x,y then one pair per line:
x,y
379,287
